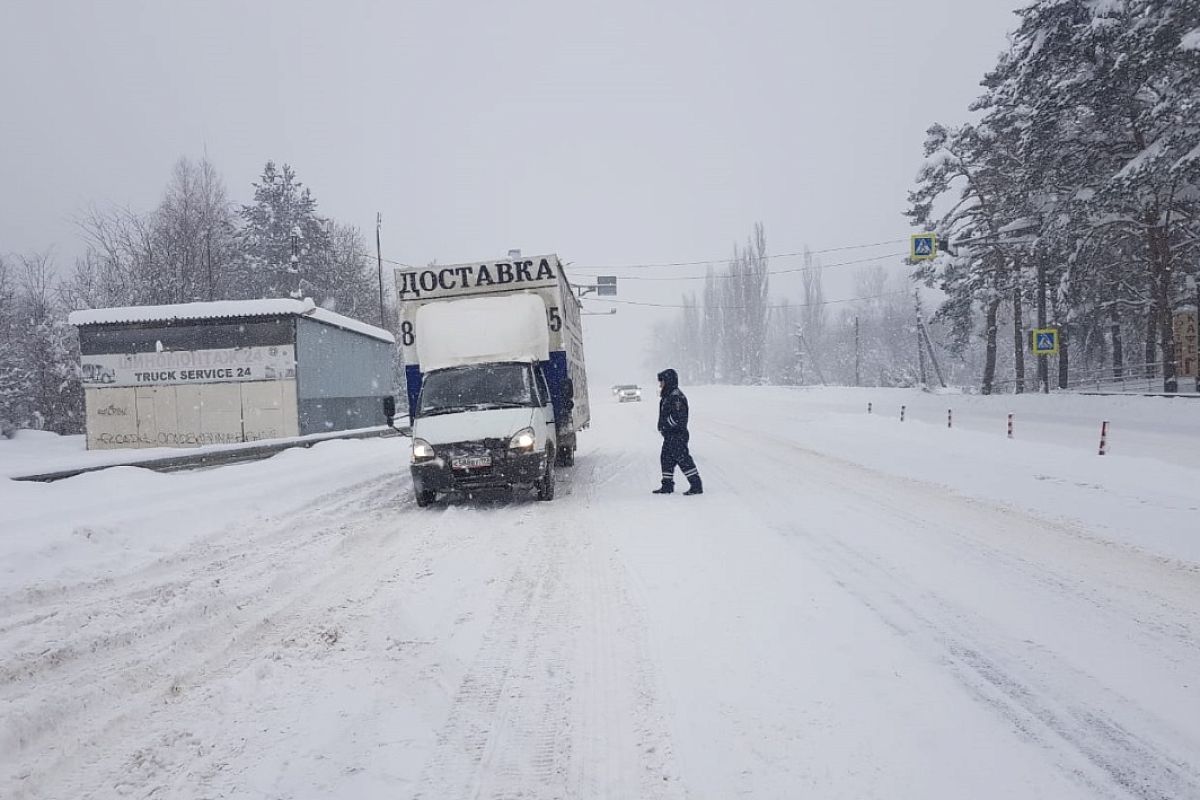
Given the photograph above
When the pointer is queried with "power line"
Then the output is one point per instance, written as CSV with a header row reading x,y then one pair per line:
x,y
726,259
769,272
721,261
775,272
768,305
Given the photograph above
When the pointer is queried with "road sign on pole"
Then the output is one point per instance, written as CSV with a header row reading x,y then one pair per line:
x,y
923,246
1044,341
606,285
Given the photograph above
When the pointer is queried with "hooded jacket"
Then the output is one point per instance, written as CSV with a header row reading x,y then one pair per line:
x,y
672,406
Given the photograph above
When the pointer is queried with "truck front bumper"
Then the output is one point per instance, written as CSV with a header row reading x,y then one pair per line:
x,y
507,470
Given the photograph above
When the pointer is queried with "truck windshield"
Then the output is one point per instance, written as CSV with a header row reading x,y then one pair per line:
x,y
475,388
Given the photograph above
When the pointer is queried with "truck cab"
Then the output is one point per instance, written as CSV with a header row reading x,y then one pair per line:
x,y
484,426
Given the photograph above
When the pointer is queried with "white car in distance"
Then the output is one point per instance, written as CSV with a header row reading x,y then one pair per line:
x,y
629,393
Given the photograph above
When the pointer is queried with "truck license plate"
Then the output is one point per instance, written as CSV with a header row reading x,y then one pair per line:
x,y
472,462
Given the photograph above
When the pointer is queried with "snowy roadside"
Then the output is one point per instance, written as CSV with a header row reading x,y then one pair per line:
x,y
1145,493
102,524
40,452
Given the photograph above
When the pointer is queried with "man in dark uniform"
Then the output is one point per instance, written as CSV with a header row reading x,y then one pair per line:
x,y
672,424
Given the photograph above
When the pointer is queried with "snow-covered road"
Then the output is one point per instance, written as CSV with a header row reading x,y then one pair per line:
x,y
850,611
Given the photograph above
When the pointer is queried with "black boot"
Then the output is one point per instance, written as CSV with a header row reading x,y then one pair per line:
x,y
696,487
666,488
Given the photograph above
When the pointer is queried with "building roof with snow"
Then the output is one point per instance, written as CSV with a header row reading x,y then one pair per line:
x,y
225,309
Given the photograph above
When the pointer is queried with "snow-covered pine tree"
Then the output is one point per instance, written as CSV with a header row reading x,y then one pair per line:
x,y
284,246
1112,96
286,249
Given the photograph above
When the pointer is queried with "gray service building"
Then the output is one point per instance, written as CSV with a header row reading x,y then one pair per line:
x,y
228,371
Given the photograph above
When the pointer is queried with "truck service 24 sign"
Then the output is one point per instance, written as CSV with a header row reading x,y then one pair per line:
x,y
273,363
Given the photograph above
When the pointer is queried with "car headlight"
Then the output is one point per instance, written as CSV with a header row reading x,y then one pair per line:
x,y
523,441
422,450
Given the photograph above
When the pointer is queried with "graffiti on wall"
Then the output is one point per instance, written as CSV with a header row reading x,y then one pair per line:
x,y
181,438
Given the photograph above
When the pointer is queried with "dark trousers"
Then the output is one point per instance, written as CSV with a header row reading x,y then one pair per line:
x,y
675,454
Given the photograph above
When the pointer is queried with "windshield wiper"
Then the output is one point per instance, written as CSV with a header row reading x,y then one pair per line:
x,y
433,412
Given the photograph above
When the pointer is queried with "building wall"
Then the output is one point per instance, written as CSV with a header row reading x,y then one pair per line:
x,y
341,377
186,415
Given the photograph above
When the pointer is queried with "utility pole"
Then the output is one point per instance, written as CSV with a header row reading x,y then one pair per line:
x,y
857,356
379,262
920,344
937,368
1043,364
294,262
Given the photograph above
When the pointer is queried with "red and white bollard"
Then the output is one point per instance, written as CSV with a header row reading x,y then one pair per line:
x,y
1010,425
949,417
1104,437
902,413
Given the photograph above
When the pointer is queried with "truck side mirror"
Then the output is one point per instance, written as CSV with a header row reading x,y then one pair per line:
x,y
389,410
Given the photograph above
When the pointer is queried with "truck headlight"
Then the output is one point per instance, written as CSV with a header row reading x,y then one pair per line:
x,y
523,441
422,450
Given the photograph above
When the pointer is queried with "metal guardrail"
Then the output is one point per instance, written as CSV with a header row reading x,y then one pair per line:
x,y
1145,378
217,458
1142,379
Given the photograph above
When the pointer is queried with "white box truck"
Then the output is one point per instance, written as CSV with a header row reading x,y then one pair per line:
x,y
497,386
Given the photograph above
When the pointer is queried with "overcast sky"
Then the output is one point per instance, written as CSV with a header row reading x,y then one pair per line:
x,y
614,132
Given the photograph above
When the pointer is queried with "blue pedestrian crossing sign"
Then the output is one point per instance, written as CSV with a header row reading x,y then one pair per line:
x,y
1045,341
923,246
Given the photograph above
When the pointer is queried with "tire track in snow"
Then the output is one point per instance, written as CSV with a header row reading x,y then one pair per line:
x,y
624,745
506,704
560,699
995,679
1098,751
168,585
171,626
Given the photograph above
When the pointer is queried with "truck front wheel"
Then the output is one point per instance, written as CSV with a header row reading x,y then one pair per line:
x,y
425,498
545,487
